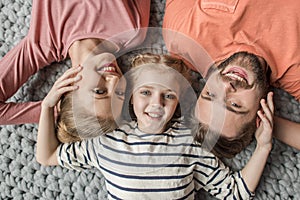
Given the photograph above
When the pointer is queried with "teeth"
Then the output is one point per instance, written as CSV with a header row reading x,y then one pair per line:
x,y
154,115
108,69
235,76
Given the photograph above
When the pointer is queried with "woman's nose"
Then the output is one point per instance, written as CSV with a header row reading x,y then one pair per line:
x,y
111,81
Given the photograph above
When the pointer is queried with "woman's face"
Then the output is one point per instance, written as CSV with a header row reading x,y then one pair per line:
x,y
99,77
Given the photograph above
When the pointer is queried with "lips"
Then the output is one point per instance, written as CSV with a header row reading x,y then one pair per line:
x,y
237,74
154,115
110,68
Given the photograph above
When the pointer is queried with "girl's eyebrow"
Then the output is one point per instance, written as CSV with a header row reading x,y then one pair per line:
x,y
145,86
153,88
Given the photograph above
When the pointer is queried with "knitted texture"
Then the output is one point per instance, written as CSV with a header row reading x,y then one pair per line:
x,y
21,177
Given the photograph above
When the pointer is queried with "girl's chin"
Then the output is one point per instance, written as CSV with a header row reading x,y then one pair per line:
x,y
152,129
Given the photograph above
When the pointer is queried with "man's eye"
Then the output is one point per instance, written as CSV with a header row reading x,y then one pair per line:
x,y
99,91
235,105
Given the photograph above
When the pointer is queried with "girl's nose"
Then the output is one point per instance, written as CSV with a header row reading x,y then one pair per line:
x,y
157,99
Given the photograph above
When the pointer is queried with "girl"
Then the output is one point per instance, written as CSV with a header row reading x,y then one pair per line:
x,y
145,158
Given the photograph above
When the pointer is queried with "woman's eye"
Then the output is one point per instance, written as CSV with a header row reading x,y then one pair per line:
x,y
210,94
119,93
99,91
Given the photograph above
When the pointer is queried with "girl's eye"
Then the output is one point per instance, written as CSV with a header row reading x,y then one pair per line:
x,y
145,92
99,91
235,105
170,96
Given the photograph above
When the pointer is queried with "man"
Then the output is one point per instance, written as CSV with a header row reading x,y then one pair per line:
x,y
245,40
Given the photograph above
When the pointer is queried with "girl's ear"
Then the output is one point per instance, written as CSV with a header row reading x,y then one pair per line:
x,y
131,101
131,111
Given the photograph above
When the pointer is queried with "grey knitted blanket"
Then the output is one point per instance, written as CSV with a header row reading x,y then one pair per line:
x,y
21,177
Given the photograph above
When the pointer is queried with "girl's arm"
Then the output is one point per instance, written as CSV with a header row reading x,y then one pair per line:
x,y
287,132
254,168
47,141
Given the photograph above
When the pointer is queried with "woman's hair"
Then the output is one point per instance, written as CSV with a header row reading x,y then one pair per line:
x,y
164,64
76,126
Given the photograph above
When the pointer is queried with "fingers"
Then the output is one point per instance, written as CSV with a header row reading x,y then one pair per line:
x,y
70,72
270,101
66,89
68,78
265,121
268,110
68,81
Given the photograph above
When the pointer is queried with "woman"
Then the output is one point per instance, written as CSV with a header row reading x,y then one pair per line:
x,y
81,30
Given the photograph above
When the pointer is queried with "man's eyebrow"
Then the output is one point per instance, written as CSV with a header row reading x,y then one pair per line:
x,y
235,111
227,107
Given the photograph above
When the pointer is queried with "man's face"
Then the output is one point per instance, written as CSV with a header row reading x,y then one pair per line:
x,y
231,95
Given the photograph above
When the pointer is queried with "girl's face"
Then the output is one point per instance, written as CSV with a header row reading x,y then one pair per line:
x,y
154,105
154,101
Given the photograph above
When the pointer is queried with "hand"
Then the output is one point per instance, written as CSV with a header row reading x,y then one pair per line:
x,y
264,131
61,86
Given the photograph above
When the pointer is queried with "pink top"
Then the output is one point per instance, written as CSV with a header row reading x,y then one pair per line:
x,y
223,27
54,26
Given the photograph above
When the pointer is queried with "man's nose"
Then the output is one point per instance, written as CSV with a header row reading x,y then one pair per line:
x,y
229,86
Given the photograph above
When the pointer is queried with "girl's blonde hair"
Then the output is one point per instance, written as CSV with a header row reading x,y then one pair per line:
x,y
168,60
165,63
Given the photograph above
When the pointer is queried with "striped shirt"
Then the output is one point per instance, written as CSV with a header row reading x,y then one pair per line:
x,y
139,165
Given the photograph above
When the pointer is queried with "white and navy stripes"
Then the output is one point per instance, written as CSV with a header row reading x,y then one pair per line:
x,y
170,165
